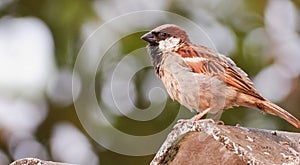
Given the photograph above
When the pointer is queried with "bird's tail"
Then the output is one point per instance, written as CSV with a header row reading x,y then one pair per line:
x,y
274,109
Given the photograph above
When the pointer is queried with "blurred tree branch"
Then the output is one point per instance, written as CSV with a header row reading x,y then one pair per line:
x,y
34,161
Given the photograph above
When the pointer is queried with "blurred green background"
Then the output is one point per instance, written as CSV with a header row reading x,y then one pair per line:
x,y
40,45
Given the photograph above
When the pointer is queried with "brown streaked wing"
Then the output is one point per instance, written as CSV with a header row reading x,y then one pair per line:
x,y
223,71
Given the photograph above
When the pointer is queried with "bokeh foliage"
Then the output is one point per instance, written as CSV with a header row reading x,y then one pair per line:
x,y
66,19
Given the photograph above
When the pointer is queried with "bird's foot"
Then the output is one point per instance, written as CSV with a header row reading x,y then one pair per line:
x,y
206,120
183,120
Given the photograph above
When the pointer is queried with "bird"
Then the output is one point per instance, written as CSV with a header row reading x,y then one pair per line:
x,y
202,79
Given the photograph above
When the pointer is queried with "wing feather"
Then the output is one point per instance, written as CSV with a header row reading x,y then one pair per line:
x,y
218,65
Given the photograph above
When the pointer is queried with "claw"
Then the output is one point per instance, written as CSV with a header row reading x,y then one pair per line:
x,y
220,122
182,120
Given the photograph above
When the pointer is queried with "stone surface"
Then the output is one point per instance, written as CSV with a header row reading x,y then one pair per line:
x,y
204,142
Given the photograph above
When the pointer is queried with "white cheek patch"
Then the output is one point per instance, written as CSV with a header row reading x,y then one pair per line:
x,y
168,44
195,59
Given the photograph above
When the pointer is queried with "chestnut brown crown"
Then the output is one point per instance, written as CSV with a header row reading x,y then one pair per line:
x,y
163,32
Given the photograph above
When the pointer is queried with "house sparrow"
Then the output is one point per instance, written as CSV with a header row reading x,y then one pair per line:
x,y
202,79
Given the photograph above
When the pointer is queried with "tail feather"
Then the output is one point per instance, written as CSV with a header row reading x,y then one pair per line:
x,y
274,109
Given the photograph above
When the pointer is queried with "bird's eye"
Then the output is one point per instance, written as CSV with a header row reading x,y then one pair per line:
x,y
164,34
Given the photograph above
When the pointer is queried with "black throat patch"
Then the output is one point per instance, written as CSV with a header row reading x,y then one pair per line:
x,y
156,56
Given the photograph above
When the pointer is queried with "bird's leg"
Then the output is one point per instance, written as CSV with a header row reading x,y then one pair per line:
x,y
213,118
198,117
201,114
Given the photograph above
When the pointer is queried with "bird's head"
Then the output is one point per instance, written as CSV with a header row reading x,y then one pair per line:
x,y
166,36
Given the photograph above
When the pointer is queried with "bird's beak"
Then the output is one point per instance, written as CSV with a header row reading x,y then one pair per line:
x,y
149,37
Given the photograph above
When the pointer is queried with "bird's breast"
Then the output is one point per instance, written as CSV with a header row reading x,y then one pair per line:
x,y
193,90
